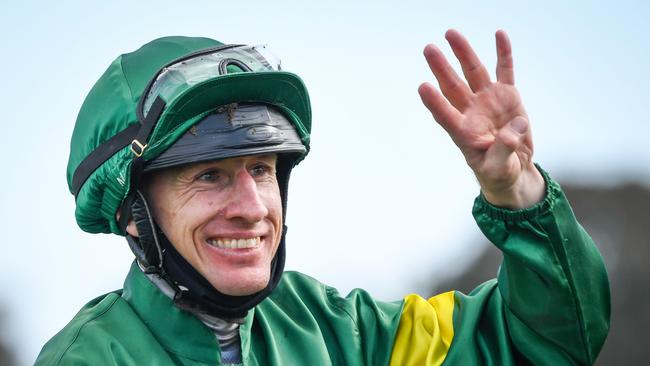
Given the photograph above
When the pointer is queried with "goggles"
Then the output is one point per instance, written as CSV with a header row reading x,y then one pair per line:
x,y
181,75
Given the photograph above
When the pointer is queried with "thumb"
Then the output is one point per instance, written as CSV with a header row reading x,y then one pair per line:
x,y
508,139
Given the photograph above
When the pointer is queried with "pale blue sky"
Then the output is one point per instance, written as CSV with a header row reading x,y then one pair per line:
x,y
383,201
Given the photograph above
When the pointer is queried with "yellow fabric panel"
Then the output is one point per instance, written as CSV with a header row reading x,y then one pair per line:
x,y
425,331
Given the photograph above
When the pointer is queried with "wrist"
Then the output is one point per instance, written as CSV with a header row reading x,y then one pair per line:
x,y
527,191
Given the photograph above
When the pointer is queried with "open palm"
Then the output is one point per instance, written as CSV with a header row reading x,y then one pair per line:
x,y
486,120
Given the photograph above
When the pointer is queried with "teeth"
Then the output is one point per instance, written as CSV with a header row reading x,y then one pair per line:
x,y
227,243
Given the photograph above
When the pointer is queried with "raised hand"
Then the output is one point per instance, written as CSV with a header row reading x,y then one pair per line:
x,y
486,120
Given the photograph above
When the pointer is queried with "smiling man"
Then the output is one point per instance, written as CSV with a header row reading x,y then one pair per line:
x,y
225,216
185,146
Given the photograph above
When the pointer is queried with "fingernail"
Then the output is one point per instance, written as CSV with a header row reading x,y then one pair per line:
x,y
519,124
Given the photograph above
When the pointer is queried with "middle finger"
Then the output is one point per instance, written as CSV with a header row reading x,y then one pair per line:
x,y
476,74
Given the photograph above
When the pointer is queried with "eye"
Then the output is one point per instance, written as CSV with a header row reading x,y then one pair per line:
x,y
209,176
260,170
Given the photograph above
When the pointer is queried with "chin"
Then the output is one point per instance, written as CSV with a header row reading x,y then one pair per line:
x,y
241,284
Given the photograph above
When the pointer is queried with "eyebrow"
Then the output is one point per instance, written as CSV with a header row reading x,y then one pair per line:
x,y
206,164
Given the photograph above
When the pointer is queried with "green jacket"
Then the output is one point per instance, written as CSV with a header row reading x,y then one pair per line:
x,y
548,306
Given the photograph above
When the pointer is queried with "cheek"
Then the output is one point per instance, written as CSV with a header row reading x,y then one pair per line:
x,y
180,221
273,202
193,213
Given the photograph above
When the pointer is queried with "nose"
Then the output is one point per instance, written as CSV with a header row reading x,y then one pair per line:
x,y
245,203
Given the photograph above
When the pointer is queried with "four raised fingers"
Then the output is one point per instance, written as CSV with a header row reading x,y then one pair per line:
x,y
457,94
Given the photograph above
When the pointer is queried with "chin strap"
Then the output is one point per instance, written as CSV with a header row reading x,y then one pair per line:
x,y
147,247
158,256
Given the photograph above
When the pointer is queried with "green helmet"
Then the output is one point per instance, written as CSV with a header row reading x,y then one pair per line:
x,y
148,99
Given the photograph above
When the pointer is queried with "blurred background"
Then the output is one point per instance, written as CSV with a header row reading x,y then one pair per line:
x,y
384,200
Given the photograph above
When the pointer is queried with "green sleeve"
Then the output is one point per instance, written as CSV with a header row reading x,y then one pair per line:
x,y
550,304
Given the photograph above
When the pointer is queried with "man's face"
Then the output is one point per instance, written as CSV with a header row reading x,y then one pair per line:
x,y
224,217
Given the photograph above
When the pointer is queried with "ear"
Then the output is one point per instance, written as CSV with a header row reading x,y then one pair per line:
x,y
131,228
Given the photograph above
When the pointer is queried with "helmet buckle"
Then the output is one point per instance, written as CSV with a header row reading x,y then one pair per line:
x,y
137,148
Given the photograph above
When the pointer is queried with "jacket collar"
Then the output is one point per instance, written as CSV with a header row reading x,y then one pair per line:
x,y
178,331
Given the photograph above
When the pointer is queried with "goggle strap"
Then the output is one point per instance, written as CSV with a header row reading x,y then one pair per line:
x,y
116,143
139,144
137,165
102,153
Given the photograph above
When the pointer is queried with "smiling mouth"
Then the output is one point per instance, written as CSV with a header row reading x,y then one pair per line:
x,y
227,243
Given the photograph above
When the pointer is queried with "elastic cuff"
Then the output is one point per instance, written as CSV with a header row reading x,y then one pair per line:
x,y
553,191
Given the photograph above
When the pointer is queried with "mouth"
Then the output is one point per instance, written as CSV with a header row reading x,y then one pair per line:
x,y
234,243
